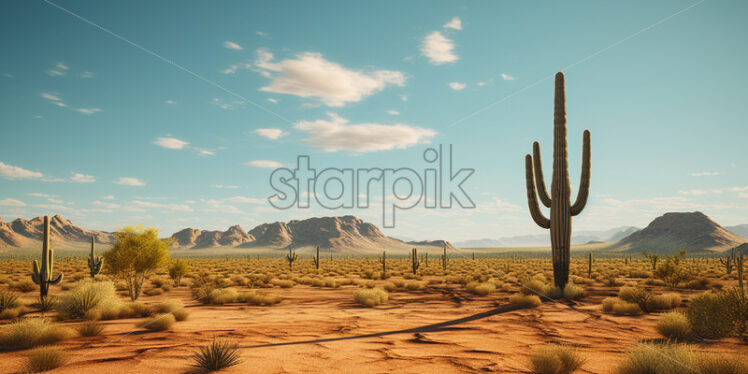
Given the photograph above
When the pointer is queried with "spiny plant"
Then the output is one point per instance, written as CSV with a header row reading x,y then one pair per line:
x,y
291,257
316,259
562,210
383,260
95,263
589,266
444,258
652,257
43,275
217,355
728,261
415,264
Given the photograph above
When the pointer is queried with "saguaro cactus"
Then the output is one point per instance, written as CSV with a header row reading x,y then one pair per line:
x,y
291,257
559,201
589,266
729,261
383,260
444,258
43,275
415,264
94,263
316,259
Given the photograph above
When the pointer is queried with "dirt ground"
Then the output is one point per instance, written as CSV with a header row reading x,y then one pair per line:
x,y
317,330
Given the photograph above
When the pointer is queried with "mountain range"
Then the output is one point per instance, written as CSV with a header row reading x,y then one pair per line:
x,y
542,240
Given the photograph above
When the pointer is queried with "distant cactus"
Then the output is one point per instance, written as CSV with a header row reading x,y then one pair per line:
x,y
589,266
316,259
415,264
291,257
729,261
383,260
43,275
444,259
94,263
559,201
740,273
653,258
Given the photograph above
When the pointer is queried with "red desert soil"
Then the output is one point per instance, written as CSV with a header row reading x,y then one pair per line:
x,y
319,330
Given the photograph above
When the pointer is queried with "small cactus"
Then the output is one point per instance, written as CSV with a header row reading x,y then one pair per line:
x,y
383,260
95,263
316,259
291,257
729,261
589,266
42,275
444,259
415,264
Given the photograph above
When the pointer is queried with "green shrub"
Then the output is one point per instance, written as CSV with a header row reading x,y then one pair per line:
x,y
709,316
159,322
45,304
44,359
524,301
674,325
217,355
371,296
736,303
555,359
32,332
84,297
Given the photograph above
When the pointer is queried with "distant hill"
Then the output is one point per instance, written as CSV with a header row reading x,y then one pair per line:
x,y
543,240
22,232
671,232
334,234
741,230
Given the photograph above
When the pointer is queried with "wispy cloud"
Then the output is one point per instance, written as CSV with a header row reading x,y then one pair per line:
x,y
309,75
82,178
336,134
171,207
60,69
457,86
170,143
273,133
705,174
233,68
15,172
264,164
438,49
393,112
507,77
221,186
88,111
56,99
88,75
713,191
246,200
129,181
232,45
12,203
455,24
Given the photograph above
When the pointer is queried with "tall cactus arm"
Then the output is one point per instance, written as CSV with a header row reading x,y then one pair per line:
x,y
539,180
584,183
36,276
532,201
56,280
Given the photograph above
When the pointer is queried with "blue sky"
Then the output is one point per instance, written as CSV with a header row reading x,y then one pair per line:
x,y
107,134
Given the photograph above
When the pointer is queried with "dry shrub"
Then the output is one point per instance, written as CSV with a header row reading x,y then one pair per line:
x,y
709,316
44,359
90,328
259,298
524,301
159,322
180,314
32,332
371,296
221,296
481,289
674,325
168,306
85,297
677,359
555,359
217,355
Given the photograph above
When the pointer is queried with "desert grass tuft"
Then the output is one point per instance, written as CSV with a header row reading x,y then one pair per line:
x,y
32,332
90,328
45,359
555,359
674,325
524,301
159,322
217,355
371,296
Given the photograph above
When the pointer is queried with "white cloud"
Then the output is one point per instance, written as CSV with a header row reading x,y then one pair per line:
x,y
481,84
743,195
170,101
224,105
60,69
82,178
108,197
233,68
225,187
232,45
335,134
457,86
38,194
262,34
273,100
393,112
507,77
438,49
12,203
51,97
129,181
106,205
88,75
88,111
309,75
705,174
246,200
264,164
455,24
8,75
172,207
15,172
273,134
713,191
204,152
170,143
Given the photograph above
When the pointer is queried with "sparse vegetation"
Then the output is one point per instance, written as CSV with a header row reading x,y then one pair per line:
x,y
32,332
135,254
45,359
555,359
217,355
371,296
